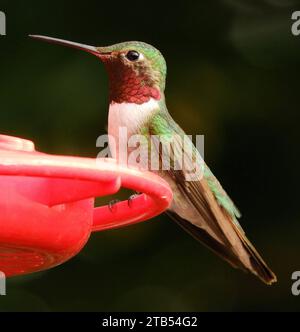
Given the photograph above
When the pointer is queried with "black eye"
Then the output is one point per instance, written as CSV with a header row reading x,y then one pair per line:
x,y
132,55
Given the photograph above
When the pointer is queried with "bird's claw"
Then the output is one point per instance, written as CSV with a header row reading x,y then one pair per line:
x,y
112,205
131,198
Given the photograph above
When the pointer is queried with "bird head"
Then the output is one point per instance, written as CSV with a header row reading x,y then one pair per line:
x,y
137,71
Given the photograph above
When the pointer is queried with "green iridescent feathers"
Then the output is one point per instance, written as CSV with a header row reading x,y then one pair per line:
x,y
163,125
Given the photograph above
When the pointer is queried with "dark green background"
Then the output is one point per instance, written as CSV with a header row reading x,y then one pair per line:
x,y
233,76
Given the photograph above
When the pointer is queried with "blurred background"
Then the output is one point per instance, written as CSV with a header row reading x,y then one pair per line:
x,y
233,76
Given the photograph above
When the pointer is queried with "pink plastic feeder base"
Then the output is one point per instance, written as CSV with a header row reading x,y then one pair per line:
x,y
47,203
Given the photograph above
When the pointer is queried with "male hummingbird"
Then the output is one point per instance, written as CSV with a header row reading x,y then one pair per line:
x,y
137,76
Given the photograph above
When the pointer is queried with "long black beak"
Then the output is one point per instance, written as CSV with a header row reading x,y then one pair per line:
x,y
87,48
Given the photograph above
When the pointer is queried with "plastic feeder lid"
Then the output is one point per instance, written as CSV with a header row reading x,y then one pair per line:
x,y
47,203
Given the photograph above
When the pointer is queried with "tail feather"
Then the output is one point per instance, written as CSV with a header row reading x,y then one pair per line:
x,y
260,268
257,264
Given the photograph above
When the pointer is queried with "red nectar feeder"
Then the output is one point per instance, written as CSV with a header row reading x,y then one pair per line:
x,y
47,204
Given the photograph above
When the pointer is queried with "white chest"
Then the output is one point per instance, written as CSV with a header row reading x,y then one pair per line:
x,y
128,116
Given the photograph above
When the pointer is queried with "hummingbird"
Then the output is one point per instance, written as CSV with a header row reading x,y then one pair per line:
x,y
137,79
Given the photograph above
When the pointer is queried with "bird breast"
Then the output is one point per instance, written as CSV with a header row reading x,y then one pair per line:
x,y
128,117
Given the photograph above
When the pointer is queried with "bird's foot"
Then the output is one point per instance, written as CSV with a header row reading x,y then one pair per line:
x,y
112,205
131,198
